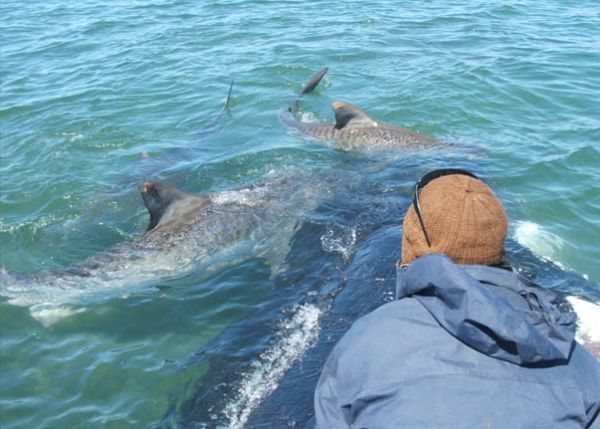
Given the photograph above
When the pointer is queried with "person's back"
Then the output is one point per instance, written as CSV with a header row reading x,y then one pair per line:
x,y
464,346
399,367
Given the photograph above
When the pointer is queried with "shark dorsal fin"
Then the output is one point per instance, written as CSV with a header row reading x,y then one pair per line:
x,y
163,200
347,115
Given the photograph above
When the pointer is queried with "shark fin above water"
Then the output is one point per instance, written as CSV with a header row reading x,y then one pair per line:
x,y
348,115
226,105
309,87
353,128
166,203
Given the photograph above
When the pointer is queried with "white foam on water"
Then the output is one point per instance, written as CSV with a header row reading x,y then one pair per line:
x,y
308,117
588,315
546,245
72,136
33,225
47,315
339,240
542,243
240,196
295,337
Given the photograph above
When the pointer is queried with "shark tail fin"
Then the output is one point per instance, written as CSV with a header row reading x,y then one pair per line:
x,y
212,123
311,85
226,105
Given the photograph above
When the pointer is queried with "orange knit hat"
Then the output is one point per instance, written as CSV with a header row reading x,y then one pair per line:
x,y
464,220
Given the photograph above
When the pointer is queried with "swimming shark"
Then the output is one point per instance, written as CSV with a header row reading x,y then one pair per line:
x,y
186,233
354,129
154,165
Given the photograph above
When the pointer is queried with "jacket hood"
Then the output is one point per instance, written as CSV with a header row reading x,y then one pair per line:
x,y
492,310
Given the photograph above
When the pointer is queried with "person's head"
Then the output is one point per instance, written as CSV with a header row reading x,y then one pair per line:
x,y
454,213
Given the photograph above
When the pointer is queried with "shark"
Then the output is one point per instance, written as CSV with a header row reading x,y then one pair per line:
x,y
186,233
354,130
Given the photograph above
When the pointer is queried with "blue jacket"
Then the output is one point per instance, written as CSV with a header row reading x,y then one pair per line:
x,y
462,347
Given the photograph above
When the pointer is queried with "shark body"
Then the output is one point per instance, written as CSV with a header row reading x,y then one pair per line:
x,y
354,129
186,233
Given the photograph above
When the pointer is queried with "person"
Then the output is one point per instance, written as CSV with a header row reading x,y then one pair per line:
x,y
468,343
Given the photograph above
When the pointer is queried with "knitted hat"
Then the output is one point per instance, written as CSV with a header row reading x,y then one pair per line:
x,y
464,220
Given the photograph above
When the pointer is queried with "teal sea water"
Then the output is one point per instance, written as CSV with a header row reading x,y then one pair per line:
x,y
97,97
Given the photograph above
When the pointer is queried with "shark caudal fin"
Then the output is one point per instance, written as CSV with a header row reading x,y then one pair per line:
x,y
312,84
226,105
212,124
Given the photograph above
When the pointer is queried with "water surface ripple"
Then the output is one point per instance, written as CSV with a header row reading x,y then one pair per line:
x,y
87,88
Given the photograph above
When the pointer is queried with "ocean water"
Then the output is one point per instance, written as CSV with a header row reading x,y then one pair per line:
x,y
96,98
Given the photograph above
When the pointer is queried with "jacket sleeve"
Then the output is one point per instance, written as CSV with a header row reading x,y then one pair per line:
x,y
328,411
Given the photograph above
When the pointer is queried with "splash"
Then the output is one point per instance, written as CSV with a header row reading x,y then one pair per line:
x,y
243,196
339,240
295,337
47,315
542,243
32,225
547,245
588,326
308,117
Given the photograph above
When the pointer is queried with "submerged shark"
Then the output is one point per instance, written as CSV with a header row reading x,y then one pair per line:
x,y
353,128
186,233
154,165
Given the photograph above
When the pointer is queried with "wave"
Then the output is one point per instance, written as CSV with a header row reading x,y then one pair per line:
x,y
546,246
295,336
